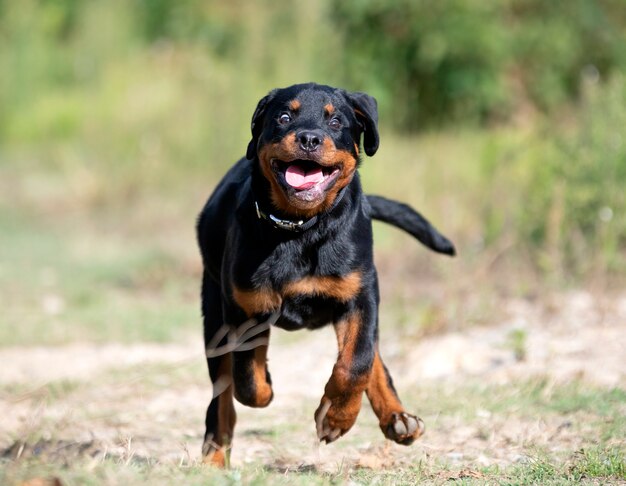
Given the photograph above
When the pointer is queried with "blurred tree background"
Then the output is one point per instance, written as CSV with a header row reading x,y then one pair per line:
x,y
505,118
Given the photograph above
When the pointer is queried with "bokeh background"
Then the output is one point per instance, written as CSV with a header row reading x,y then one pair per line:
x,y
502,121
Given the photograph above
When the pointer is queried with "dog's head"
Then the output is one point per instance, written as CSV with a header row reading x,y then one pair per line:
x,y
306,140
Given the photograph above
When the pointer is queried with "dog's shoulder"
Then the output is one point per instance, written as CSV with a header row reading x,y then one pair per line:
x,y
220,211
227,194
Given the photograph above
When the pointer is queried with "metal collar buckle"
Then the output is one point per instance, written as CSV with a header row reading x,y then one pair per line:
x,y
286,224
280,223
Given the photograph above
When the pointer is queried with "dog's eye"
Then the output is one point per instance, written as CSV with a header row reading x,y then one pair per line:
x,y
335,123
284,118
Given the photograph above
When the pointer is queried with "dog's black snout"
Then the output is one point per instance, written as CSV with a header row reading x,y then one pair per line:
x,y
309,139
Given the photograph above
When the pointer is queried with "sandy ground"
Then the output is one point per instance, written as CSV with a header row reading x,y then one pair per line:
x,y
576,336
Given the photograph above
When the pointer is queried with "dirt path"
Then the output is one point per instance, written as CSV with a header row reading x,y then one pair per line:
x,y
147,401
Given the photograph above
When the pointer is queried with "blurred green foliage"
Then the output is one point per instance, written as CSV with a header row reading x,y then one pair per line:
x,y
560,190
436,62
101,101
429,62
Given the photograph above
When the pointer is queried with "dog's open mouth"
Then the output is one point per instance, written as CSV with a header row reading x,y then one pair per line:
x,y
306,178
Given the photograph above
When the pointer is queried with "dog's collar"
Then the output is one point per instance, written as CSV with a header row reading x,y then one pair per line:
x,y
295,226
286,224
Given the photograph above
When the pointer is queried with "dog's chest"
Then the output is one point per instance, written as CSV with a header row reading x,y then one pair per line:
x,y
309,301
307,292
309,312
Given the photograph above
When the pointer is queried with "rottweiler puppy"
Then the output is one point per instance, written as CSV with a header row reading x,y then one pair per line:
x,y
286,240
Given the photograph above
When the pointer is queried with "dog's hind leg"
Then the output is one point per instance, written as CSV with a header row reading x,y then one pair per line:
x,y
394,421
220,416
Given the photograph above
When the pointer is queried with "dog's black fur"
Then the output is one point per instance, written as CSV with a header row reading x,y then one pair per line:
x,y
300,257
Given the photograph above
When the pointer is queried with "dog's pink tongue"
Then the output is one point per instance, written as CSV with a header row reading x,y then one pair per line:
x,y
296,177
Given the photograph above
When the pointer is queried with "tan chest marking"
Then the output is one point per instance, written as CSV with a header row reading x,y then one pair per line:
x,y
257,301
341,288
265,300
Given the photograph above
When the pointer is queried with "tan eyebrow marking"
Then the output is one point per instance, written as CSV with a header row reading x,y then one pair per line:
x,y
329,109
294,105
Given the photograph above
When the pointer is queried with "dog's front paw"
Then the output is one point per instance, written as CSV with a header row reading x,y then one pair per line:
x,y
334,417
403,428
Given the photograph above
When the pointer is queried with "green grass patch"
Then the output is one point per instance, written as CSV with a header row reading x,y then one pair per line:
x,y
597,457
604,466
585,466
598,463
527,399
119,472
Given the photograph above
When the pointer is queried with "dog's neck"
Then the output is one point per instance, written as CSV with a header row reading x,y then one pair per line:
x,y
296,226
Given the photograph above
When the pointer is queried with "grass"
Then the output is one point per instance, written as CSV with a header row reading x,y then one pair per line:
x,y
579,453
595,467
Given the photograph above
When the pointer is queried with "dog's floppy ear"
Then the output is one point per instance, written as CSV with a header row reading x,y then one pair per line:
x,y
366,111
257,123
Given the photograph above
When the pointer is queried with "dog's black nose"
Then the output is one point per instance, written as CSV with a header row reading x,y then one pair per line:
x,y
309,139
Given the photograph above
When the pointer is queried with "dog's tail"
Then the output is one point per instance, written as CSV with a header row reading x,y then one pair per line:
x,y
409,220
